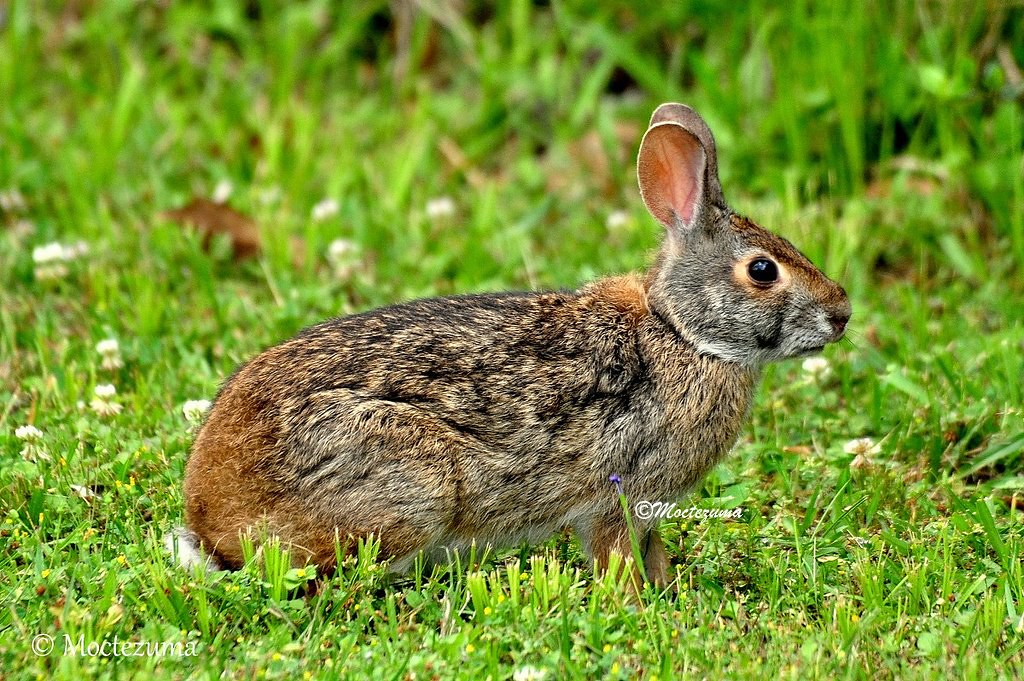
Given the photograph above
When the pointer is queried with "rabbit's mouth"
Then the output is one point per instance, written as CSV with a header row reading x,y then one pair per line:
x,y
812,350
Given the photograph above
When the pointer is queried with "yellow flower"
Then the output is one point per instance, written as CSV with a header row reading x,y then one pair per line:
x,y
615,668
607,647
277,657
487,610
44,574
122,560
470,648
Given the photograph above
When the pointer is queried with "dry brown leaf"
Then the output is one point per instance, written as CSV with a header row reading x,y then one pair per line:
x,y
212,218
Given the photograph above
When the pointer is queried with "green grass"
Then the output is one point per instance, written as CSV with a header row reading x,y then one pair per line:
x,y
887,142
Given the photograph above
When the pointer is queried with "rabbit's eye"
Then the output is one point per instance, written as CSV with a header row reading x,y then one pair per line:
x,y
763,271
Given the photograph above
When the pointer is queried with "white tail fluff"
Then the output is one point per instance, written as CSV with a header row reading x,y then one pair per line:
x,y
183,545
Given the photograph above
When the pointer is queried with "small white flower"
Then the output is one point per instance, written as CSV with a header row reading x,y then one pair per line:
x,y
108,346
617,219
110,351
194,410
340,249
343,255
816,367
50,258
103,404
12,200
48,253
28,433
31,436
860,461
105,391
441,207
862,446
324,209
529,674
222,192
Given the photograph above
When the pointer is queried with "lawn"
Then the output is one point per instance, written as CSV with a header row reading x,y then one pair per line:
x,y
347,156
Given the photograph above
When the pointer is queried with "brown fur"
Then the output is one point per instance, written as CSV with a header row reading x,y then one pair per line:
x,y
499,418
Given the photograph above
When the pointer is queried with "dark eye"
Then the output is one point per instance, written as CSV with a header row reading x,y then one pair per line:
x,y
763,271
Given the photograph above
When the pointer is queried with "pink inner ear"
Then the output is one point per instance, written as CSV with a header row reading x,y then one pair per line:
x,y
671,173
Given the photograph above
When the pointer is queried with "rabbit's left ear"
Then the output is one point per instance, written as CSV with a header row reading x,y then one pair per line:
x,y
670,170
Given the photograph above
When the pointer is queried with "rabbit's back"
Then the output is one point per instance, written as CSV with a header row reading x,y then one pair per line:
x,y
495,417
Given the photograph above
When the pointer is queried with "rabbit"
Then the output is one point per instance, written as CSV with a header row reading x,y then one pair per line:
x,y
499,418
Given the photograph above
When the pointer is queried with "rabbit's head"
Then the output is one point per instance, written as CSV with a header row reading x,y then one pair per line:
x,y
730,287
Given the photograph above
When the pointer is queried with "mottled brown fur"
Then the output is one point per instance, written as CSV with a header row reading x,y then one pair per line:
x,y
496,418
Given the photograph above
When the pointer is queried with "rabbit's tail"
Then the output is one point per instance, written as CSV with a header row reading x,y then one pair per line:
x,y
184,548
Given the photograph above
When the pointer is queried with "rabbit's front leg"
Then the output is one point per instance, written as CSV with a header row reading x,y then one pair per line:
x,y
609,534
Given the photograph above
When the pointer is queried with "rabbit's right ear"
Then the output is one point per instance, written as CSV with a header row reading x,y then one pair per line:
x,y
696,126
670,170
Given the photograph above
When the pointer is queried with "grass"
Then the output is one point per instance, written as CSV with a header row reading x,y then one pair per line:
x,y
886,141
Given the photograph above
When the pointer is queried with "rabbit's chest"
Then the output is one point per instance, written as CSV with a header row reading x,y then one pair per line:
x,y
703,407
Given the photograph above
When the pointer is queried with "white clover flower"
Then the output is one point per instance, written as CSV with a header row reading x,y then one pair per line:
x,y
441,207
340,249
193,410
617,219
817,367
50,258
48,253
28,433
343,255
110,351
104,404
12,200
862,446
324,209
222,192
105,391
529,674
31,436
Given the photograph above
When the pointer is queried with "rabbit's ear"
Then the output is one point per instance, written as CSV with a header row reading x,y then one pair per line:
x,y
695,125
670,169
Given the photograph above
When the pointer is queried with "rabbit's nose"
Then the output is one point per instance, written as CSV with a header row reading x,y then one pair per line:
x,y
838,321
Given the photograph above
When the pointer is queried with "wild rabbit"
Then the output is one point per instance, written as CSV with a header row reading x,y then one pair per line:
x,y
500,417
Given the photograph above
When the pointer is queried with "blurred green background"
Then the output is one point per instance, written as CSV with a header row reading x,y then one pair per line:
x,y
362,153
